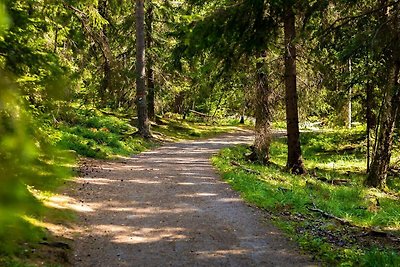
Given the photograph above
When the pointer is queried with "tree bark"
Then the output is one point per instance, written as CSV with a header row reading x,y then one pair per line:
x,y
141,104
380,164
369,122
349,104
263,113
294,161
150,63
178,102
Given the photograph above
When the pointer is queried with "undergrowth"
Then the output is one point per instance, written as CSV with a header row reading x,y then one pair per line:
x,y
75,132
368,228
99,134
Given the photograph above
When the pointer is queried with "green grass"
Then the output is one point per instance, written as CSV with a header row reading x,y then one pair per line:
x,y
19,236
331,155
71,133
96,134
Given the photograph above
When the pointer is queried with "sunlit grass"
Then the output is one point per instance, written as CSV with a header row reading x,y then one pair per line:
x,y
329,156
77,132
95,134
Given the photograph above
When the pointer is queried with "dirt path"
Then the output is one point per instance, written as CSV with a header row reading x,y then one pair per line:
x,y
168,207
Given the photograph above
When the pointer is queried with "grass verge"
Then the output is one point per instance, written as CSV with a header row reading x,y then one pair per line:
x,y
26,236
101,134
328,211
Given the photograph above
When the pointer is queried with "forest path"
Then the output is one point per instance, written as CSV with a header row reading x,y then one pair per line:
x,y
168,207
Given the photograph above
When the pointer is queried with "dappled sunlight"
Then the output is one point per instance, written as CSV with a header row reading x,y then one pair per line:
x,y
198,183
163,203
149,235
159,210
65,202
54,229
120,209
98,181
196,195
196,175
136,181
206,194
191,173
228,200
222,253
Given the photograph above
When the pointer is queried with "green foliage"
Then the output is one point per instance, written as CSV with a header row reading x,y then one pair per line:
x,y
100,134
28,163
376,258
91,133
289,197
4,20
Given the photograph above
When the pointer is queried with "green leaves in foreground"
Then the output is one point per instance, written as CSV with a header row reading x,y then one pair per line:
x,y
4,20
27,162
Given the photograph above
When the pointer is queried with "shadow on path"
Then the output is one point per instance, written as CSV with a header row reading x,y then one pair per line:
x,y
167,207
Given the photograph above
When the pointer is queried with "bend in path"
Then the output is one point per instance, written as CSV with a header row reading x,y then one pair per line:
x,y
168,207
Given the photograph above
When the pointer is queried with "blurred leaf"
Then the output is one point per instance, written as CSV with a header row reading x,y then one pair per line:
x,y
4,20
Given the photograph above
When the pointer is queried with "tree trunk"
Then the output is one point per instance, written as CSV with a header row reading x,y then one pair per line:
x,y
263,113
141,104
369,122
383,150
349,104
380,164
294,160
178,102
150,70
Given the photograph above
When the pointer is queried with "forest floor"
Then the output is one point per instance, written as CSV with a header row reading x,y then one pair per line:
x,y
169,207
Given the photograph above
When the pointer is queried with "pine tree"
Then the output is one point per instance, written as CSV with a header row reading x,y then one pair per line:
x,y
141,92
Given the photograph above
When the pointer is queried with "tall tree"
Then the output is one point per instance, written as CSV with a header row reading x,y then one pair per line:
x,y
141,103
231,33
381,160
263,112
149,62
294,161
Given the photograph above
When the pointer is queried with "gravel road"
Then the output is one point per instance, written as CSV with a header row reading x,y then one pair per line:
x,y
168,207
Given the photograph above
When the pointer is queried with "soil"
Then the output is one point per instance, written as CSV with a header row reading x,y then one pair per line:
x,y
169,207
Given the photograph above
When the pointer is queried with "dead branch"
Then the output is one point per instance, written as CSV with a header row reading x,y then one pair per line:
x,y
234,163
329,181
199,113
329,216
378,233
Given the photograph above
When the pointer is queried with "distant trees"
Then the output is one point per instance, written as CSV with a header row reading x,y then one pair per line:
x,y
366,33
218,58
254,26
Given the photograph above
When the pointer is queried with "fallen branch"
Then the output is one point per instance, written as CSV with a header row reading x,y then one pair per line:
x,y
329,216
234,163
199,113
378,233
368,231
329,181
333,181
